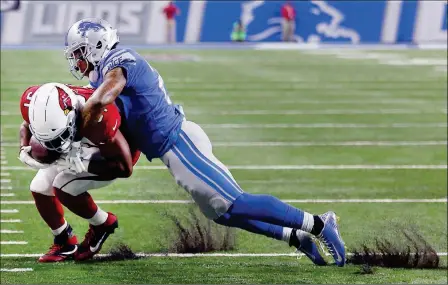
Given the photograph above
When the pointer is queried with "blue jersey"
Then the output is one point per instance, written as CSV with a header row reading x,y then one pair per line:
x,y
150,118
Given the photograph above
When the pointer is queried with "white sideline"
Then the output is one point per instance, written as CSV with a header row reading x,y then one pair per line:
x,y
10,242
10,220
304,144
441,200
11,232
285,167
16,269
143,254
12,211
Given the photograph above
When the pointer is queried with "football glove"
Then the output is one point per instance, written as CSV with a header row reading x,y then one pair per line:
x,y
73,162
26,158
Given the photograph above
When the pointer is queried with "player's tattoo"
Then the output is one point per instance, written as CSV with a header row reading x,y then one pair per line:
x,y
107,92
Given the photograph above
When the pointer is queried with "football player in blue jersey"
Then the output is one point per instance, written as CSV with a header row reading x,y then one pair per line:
x,y
161,131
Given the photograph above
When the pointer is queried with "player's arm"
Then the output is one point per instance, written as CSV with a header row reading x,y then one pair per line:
x,y
107,92
24,134
117,161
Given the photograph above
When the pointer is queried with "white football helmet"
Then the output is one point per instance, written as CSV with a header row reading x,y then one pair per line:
x,y
93,38
52,113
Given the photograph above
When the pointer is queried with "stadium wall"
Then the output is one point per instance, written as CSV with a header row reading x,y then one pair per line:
x,y
41,23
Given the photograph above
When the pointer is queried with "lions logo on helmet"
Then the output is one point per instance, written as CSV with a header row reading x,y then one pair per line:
x,y
64,101
84,27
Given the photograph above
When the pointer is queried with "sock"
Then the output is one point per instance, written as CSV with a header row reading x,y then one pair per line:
x,y
318,225
287,232
81,205
253,226
62,237
59,230
99,218
270,210
50,209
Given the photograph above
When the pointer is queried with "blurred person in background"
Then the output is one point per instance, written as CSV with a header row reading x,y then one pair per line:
x,y
288,22
238,32
171,11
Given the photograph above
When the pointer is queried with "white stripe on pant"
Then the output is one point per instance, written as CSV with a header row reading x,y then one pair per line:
x,y
200,173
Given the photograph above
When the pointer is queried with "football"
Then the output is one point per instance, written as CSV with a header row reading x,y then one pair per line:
x,y
42,154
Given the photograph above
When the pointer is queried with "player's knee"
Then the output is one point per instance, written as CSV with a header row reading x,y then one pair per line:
x,y
36,187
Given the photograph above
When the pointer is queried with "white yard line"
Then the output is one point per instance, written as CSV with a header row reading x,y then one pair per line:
x,y
7,194
11,232
311,201
324,125
11,220
11,211
4,174
2,187
13,242
318,112
306,144
143,254
5,180
16,269
348,143
285,167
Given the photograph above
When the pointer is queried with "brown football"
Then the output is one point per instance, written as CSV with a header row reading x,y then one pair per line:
x,y
42,154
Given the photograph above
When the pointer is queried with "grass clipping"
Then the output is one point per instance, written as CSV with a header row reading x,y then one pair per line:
x,y
408,249
199,235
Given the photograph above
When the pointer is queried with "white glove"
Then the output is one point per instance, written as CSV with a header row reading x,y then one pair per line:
x,y
26,158
73,162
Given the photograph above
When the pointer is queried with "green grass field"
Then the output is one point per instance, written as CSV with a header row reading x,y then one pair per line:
x,y
299,125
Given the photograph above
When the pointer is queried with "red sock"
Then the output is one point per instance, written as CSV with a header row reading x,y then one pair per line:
x,y
82,205
50,209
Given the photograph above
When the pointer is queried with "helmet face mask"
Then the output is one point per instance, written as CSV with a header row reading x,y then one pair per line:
x,y
62,142
77,54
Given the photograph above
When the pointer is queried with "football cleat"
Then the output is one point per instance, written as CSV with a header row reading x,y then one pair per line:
x,y
311,247
61,250
95,237
331,238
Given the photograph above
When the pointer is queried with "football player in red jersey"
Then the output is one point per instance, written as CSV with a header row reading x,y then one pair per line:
x,y
93,161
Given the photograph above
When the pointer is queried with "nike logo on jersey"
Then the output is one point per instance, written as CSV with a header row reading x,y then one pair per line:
x,y
114,127
95,248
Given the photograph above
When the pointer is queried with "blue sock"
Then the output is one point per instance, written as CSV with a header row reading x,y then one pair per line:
x,y
257,227
270,210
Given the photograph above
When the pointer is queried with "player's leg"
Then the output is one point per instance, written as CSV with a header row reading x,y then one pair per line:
x,y
299,239
213,188
51,211
72,190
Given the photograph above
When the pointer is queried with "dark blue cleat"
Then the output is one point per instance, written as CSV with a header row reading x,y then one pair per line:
x,y
331,238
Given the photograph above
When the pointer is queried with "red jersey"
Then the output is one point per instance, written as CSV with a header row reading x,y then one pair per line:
x,y
105,130
170,11
288,12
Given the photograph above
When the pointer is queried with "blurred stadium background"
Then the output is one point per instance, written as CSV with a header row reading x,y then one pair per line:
x,y
350,116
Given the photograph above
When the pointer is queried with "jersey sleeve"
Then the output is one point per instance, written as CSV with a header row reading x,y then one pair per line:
x,y
25,100
124,59
107,126
82,91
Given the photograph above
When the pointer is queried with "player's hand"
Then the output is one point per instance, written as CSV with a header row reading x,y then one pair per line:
x,y
73,162
26,158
